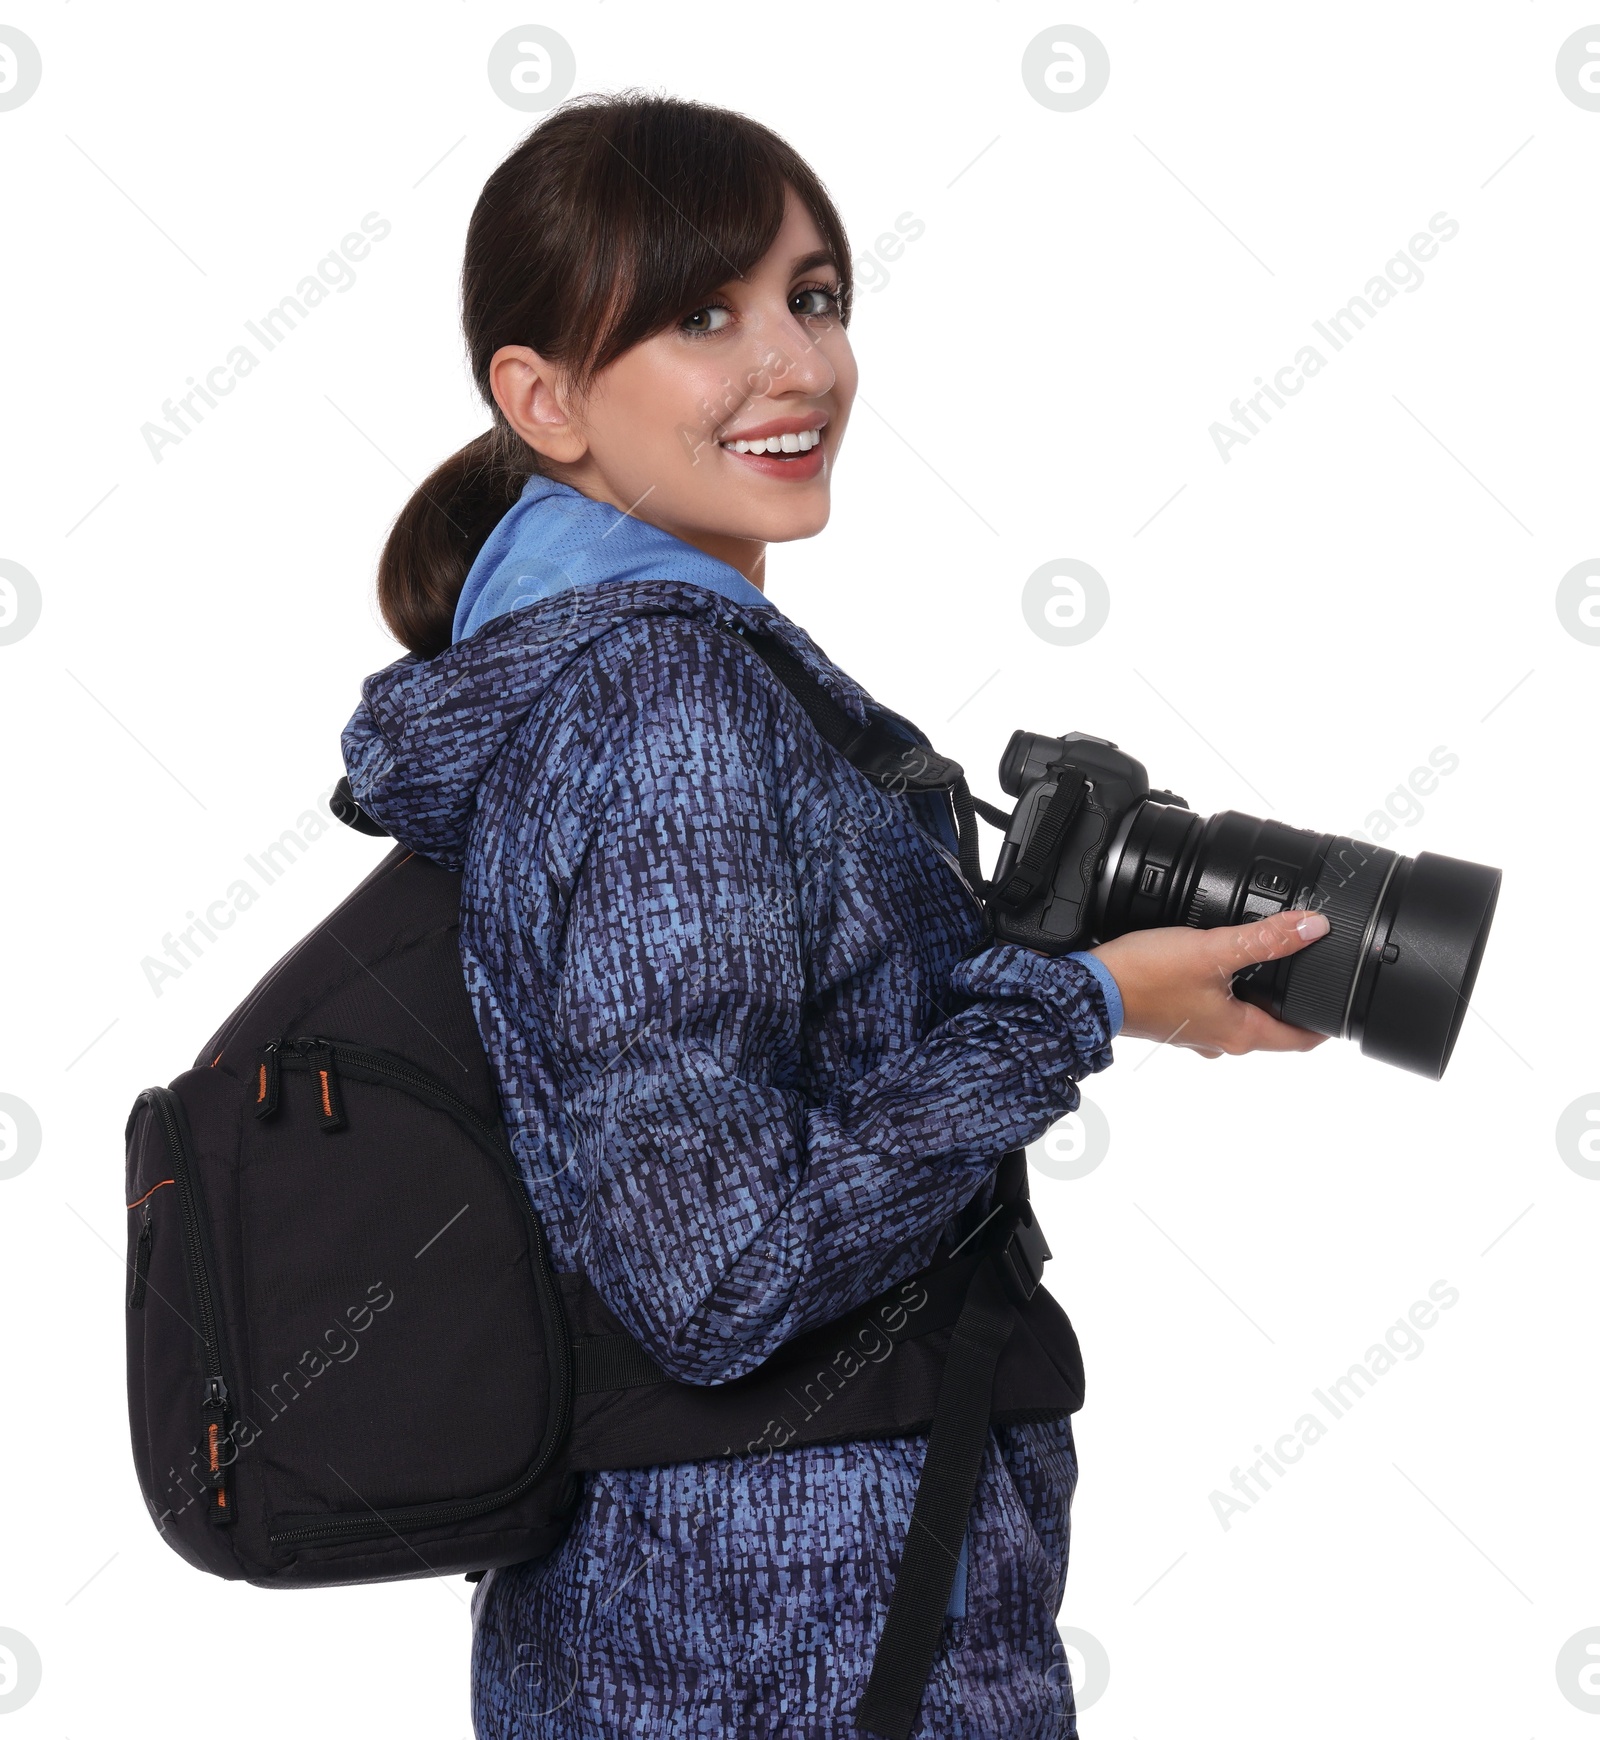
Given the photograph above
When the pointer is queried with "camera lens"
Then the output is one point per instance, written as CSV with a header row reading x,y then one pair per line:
x,y
1405,935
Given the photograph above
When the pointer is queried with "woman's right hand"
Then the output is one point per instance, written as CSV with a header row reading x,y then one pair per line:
x,y
1177,984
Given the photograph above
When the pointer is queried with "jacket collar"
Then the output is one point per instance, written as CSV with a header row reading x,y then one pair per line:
x,y
428,731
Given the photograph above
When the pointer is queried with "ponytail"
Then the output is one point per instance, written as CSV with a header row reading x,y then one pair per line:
x,y
439,532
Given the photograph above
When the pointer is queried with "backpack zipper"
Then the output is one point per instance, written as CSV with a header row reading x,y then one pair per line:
x,y
141,1262
325,1060
215,1403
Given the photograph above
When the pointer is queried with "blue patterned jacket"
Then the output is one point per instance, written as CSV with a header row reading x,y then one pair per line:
x,y
753,1070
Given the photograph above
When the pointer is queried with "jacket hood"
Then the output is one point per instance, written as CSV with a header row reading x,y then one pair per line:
x,y
428,731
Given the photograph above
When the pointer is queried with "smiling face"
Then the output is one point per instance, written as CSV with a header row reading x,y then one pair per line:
x,y
764,365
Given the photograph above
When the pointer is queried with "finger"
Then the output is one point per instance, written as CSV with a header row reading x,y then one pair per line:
x,y
1269,939
1258,1031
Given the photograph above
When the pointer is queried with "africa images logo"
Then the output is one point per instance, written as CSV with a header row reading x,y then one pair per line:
x,y
1402,1340
1401,272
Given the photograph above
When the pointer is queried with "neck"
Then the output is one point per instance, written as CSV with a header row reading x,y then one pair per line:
x,y
744,554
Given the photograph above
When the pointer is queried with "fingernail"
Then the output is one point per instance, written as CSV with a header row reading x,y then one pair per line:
x,y
1313,925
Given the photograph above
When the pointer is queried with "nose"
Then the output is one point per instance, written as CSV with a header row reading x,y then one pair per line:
x,y
789,360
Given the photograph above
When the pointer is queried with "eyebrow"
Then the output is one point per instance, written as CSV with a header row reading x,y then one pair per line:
x,y
817,257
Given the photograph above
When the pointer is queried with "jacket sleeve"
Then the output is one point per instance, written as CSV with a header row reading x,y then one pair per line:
x,y
724,1209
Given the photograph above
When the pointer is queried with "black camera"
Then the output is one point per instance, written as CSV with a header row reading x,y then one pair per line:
x,y
1091,852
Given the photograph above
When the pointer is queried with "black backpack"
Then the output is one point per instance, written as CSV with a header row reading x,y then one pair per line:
x,y
350,1359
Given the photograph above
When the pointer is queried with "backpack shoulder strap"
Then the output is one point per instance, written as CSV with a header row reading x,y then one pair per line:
x,y
876,751
883,757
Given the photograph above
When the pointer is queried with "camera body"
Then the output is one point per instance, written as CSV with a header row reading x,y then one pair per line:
x,y
1091,852
1050,904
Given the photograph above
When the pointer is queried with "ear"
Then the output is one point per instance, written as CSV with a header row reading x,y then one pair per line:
x,y
533,395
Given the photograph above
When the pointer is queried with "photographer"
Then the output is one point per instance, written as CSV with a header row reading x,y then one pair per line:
x,y
757,1063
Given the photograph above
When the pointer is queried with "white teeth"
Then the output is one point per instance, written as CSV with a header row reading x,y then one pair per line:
x,y
802,442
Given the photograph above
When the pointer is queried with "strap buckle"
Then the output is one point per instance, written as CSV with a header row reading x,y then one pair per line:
x,y
344,806
1022,1251
897,765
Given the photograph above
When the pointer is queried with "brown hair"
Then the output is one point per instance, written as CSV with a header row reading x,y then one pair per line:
x,y
610,220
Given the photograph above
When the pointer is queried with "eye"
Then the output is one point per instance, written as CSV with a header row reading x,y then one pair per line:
x,y
699,322
825,305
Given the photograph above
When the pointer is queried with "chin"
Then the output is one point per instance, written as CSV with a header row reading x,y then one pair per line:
x,y
803,520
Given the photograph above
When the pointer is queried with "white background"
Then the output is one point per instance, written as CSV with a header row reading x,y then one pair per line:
x,y
1372,576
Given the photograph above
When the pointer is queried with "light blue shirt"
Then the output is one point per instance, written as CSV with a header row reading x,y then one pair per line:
x,y
1108,984
554,538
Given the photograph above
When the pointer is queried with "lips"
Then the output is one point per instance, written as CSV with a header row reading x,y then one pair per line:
x,y
797,466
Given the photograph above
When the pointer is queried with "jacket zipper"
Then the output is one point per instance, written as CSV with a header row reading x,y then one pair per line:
x,y
325,1060
979,909
961,876
215,1401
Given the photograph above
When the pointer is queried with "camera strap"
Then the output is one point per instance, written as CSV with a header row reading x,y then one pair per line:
x,y
968,808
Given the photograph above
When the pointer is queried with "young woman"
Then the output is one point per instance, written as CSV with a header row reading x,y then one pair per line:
x,y
754,1058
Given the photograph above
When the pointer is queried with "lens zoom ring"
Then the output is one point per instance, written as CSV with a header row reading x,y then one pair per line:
x,y
1320,976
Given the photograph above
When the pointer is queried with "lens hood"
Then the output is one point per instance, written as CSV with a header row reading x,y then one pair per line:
x,y
1428,962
